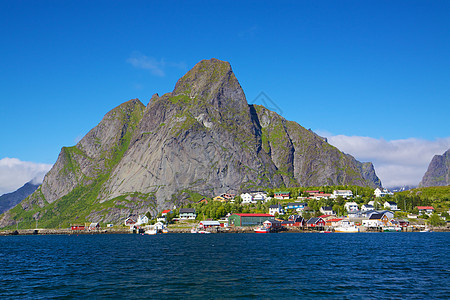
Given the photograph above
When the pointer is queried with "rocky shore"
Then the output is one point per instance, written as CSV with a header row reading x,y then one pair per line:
x,y
68,231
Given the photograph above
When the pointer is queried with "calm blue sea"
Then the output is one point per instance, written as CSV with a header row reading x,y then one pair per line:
x,y
287,265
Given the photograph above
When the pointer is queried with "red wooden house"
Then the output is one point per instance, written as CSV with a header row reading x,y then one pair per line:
x,y
298,221
77,227
315,223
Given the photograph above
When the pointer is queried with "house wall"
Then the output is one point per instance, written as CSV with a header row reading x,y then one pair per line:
x,y
247,221
187,216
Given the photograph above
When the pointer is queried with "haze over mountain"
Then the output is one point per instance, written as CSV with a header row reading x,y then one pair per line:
x,y
438,173
10,200
202,139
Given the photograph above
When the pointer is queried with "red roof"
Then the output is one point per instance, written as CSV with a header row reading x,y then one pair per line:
x,y
254,215
425,207
323,216
334,220
166,211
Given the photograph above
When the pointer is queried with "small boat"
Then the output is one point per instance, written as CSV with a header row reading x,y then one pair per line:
x,y
426,230
151,231
392,229
198,230
261,229
155,229
347,227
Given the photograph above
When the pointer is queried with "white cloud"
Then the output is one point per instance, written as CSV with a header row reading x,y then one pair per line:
x,y
156,67
14,173
397,162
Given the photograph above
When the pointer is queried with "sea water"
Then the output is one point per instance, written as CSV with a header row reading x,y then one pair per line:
x,y
285,265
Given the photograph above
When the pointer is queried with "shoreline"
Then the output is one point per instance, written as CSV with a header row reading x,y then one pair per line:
x,y
66,231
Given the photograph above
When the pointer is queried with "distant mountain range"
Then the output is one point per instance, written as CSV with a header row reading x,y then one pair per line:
x,y
10,200
202,139
438,173
402,188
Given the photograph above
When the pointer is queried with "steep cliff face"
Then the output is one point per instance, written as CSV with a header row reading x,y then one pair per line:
x,y
438,173
198,138
305,159
96,154
201,139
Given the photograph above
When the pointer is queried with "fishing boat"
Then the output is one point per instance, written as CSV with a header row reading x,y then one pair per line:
x,y
155,229
198,230
347,227
261,229
151,231
392,229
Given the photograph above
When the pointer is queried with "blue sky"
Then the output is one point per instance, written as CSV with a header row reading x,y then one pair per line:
x,y
369,69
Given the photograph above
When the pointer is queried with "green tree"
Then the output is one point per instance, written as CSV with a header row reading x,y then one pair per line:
x,y
306,215
435,220
313,204
169,217
338,209
340,200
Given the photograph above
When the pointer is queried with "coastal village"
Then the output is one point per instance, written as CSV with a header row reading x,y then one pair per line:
x,y
260,212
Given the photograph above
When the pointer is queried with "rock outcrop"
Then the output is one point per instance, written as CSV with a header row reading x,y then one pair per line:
x,y
438,173
202,139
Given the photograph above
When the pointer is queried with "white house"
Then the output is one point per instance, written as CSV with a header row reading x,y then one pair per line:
x,y
351,206
342,193
142,220
247,198
425,210
206,224
371,223
259,196
388,214
162,219
187,214
321,196
327,210
390,205
276,208
382,193
367,207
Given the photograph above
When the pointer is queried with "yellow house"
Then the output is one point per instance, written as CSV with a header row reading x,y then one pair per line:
x,y
219,198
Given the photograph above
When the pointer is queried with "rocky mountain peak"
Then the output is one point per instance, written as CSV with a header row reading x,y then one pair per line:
x,y
211,81
438,173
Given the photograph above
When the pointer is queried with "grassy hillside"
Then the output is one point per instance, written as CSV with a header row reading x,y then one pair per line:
x,y
432,193
436,196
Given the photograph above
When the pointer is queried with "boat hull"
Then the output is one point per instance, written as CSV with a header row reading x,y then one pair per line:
x,y
392,229
261,230
347,230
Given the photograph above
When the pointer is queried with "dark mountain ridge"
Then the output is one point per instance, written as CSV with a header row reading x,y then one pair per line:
x,y
438,172
10,200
